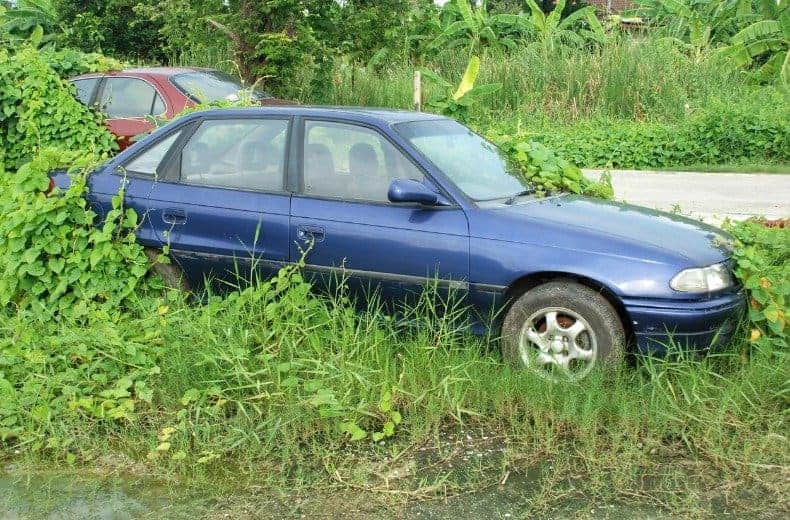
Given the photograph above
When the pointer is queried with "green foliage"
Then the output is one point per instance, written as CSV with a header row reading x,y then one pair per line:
x,y
68,63
547,171
38,110
29,16
697,23
718,134
762,262
765,42
457,102
475,27
268,41
113,27
52,257
553,30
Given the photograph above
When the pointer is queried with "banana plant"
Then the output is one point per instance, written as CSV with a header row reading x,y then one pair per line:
x,y
765,42
477,28
697,25
28,19
456,101
554,31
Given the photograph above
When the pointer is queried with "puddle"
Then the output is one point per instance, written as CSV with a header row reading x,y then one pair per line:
x,y
66,496
82,494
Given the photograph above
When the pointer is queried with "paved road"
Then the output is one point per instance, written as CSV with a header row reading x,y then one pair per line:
x,y
708,196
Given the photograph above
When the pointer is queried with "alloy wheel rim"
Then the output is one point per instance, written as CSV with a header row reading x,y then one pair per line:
x,y
558,344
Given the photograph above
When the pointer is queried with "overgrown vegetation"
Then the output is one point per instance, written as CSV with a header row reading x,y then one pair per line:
x,y
272,382
38,110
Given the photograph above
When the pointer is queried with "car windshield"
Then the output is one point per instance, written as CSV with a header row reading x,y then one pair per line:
x,y
212,85
475,165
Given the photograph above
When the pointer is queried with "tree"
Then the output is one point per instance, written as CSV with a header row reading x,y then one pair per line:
x,y
113,27
765,42
697,23
21,21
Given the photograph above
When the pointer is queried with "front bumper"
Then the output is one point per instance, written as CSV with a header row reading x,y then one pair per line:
x,y
691,324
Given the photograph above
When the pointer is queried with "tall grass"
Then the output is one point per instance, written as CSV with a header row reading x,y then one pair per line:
x,y
635,79
267,377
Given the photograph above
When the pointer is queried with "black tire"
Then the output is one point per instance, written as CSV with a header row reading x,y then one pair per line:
x,y
605,338
172,275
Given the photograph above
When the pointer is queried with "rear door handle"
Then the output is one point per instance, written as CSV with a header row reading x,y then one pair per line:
x,y
174,216
307,233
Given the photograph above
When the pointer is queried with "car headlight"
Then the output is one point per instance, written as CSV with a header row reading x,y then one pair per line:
x,y
702,279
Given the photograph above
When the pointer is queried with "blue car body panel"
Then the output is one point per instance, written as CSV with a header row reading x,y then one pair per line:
x,y
482,249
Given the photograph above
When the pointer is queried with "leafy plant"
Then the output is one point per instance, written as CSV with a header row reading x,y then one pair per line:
x,y
38,110
553,31
456,103
53,258
28,17
477,28
696,23
766,43
762,261
547,171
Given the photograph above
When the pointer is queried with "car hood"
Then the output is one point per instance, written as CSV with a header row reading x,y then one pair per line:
x,y
612,228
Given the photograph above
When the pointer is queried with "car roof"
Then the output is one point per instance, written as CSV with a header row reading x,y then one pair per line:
x,y
362,114
144,72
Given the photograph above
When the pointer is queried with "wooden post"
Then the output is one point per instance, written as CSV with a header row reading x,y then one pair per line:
x,y
417,91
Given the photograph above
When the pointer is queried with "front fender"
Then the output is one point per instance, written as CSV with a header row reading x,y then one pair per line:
x,y
497,264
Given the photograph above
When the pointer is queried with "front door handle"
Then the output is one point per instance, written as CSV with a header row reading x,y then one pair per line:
x,y
174,216
308,233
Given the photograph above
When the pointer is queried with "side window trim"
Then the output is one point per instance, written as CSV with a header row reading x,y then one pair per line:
x,y
173,157
299,162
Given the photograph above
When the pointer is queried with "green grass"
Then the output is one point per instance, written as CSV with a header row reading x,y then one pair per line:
x,y
255,388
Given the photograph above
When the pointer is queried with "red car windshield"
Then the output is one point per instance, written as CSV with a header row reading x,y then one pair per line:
x,y
210,86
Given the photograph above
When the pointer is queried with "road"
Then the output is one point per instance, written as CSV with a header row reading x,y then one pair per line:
x,y
711,197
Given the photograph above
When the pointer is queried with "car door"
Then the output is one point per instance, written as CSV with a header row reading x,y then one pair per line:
x,y
128,104
344,221
138,176
222,207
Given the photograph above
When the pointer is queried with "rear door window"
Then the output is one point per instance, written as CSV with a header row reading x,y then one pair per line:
x,y
129,97
85,89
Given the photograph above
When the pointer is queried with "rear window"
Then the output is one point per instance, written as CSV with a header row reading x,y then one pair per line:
x,y
213,85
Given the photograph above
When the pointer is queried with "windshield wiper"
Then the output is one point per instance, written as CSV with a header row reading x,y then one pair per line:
x,y
513,198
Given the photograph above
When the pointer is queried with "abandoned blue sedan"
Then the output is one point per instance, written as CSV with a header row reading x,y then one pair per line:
x,y
392,200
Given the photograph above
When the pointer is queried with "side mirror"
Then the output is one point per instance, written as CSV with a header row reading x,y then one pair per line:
x,y
408,190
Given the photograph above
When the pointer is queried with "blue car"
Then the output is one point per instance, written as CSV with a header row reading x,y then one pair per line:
x,y
393,200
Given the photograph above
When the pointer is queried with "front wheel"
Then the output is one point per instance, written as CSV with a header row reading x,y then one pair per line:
x,y
561,330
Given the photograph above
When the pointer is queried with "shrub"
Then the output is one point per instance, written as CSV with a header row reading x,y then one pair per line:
x,y
719,134
38,110
762,263
52,256
68,63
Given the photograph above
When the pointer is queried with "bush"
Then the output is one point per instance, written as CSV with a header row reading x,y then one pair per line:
x,y
52,256
762,264
719,134
38,110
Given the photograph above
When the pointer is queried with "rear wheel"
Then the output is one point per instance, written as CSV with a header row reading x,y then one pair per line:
x,y
561,330
171,274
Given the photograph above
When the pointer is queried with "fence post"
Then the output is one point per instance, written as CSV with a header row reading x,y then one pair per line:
x,y
417,91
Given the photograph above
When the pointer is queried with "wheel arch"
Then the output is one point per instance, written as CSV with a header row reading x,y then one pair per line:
x,y
527,282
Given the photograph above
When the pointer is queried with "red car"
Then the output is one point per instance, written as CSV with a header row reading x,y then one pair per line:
x,y
130,97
